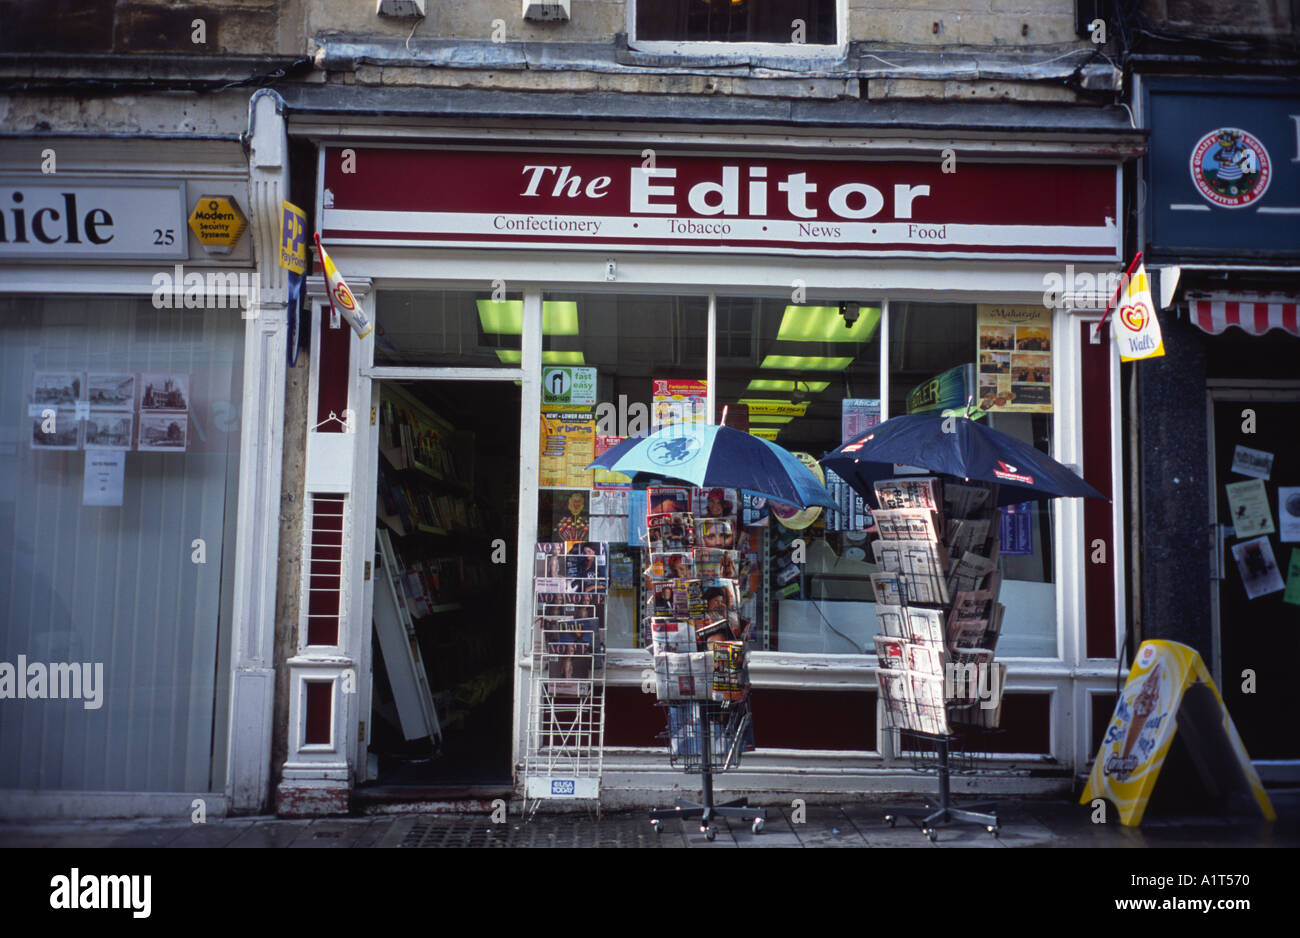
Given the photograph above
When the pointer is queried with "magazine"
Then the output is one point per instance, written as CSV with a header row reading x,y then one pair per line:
x,y
711,562
716,533
715,503
668,500
728,671
570,651
917,492
671,566
670,532
715,633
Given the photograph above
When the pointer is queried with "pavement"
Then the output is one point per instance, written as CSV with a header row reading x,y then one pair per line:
x,y
1023,822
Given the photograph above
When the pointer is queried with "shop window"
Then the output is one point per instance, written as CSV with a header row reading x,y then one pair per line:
x,y
455,328
998,357
117,523
629,343
788,22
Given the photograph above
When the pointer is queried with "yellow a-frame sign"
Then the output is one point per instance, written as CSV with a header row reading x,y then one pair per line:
x,y
1169,689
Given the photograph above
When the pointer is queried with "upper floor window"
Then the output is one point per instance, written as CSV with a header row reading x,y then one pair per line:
x,y
677,25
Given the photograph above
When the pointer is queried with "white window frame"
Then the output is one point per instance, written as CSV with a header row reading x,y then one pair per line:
x,y
793,50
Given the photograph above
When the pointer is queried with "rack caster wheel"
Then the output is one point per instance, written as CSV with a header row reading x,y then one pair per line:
x,y
758,825
710,834
656,827
931,833
891,820
993,829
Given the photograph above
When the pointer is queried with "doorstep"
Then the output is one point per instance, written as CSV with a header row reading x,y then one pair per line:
x,y
430,799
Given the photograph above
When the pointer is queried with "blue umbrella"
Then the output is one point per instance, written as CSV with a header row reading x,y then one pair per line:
x,y
959,447
706,456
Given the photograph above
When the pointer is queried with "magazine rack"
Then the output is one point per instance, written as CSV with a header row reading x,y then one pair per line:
x,y
693,624
936,602
706,737
564,752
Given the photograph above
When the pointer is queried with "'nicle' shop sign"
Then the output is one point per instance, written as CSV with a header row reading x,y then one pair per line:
x,y
671,202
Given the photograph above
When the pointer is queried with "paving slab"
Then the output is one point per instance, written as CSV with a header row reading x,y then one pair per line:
x,y
777,830
213,834
399,827
333,833
277,833
376,832
827,826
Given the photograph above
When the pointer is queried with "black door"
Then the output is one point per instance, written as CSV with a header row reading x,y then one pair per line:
x,y
1260,635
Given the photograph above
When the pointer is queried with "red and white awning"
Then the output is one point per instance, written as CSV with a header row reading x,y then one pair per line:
x,y
1255,314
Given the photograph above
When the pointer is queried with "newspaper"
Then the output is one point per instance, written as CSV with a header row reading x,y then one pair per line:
x,y
918,492
675,635
967,535
892,620
969,500
969,572
891,652
889,588
683,676
907,524
925,625
924,563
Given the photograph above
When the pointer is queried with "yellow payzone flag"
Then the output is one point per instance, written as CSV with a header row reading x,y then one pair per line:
x,y
1137,330
341,298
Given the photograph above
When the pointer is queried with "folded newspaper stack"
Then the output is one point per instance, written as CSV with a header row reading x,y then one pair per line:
x,y
936,603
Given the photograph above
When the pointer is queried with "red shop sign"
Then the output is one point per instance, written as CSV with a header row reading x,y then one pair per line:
x,y
610,200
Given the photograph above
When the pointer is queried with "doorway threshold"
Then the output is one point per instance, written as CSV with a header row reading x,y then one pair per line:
x,y
476,798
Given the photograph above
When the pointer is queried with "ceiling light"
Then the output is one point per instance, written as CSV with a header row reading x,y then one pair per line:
x,y
827,323
807,362
506,317
776,384
513,356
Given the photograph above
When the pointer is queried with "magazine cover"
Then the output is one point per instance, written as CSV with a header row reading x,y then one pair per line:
x,y
715,503
671,566
710,562
670,532
716,533
728,671
668,500
570,652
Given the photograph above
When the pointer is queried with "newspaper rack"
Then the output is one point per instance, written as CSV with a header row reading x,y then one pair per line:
x,y
936,596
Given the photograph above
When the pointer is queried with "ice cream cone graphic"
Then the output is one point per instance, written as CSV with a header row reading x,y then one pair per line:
x,y
1144,704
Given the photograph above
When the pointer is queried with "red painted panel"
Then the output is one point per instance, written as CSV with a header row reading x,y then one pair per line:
x,y
332,390
319,704
1098,578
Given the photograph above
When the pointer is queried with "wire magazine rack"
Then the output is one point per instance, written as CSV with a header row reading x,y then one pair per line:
x,y
706,737
564,745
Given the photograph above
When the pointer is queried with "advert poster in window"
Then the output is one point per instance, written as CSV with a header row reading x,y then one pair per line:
x,y
568,445
1015,359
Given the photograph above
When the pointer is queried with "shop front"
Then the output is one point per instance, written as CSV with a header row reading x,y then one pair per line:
x,y
129,284
1218,452
532,304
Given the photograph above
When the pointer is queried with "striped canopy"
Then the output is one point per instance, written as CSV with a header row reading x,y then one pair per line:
x,y
1255,313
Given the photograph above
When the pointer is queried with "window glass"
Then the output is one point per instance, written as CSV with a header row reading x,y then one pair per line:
x,y
116,538
736,21
459,328
629,342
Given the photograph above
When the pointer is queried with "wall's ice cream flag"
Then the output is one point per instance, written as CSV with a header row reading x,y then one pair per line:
x,y
341,298
1137,330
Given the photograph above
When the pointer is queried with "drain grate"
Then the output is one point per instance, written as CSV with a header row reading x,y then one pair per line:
x,y
542,832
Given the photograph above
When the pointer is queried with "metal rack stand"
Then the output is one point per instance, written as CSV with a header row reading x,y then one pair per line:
x,y
929,814
696,734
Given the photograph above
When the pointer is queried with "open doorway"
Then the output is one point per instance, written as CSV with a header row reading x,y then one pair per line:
x,y
444,610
